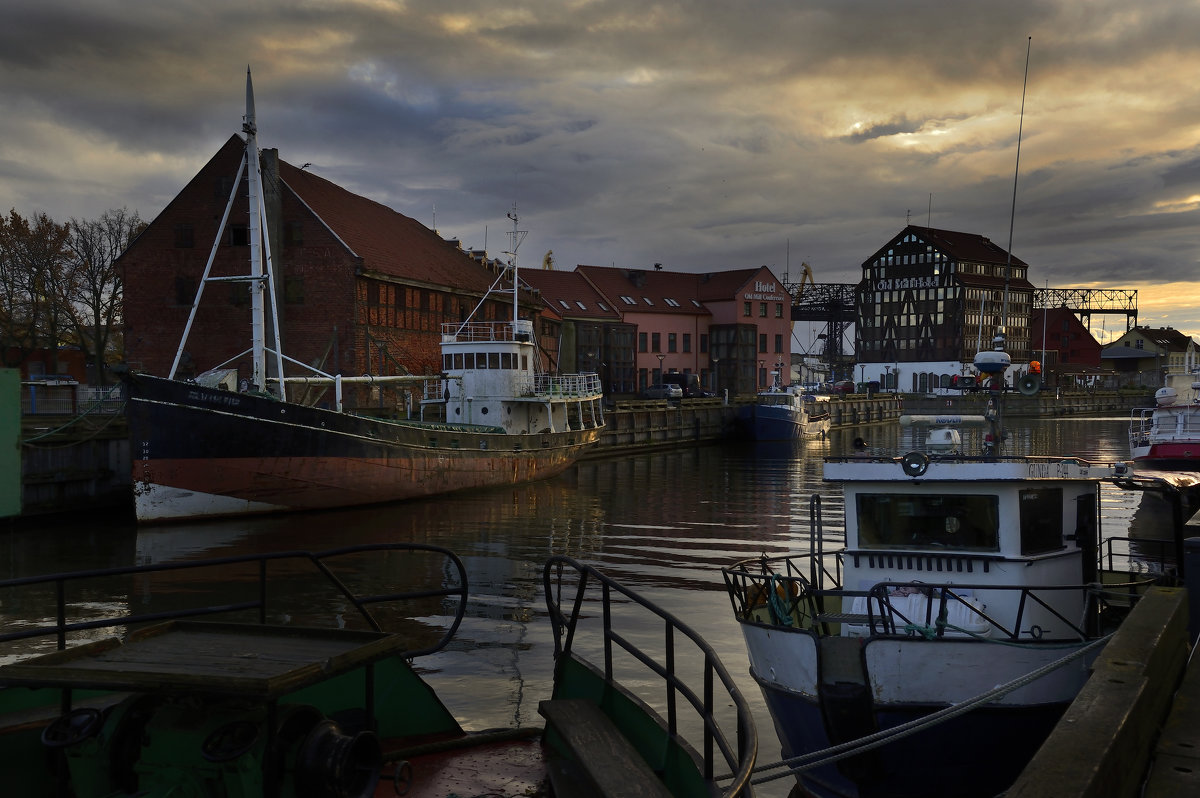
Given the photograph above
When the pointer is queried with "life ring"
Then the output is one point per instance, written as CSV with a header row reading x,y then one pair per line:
x,y
914,463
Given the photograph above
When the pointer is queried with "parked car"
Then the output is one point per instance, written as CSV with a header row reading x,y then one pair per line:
x,y
662,391
688,383
843,387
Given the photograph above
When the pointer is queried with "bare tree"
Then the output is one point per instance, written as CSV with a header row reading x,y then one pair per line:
x,y
92,285
33,253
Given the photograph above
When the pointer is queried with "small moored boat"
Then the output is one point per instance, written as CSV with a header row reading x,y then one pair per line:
x,y
947,637
787,413
178,702
1166,437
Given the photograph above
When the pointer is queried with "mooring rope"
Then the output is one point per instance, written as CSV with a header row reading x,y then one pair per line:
x,y
804,762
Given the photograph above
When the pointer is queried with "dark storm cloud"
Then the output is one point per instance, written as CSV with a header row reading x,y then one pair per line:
x,y
702,134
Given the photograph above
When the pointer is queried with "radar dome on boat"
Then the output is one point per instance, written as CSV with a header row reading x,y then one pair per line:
x,y
943,440
1165,396
992,362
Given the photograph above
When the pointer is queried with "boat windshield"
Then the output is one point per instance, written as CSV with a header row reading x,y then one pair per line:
x,y
944,521
775,399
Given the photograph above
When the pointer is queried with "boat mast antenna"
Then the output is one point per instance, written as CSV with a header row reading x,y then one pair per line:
x,y
515,237
999,341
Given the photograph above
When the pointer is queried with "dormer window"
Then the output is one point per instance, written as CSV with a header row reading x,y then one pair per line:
x,y
647,300
628,300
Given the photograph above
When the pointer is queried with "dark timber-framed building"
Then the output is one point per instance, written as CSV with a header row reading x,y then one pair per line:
x,y
930,299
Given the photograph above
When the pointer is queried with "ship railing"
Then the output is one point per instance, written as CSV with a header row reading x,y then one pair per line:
x,y
77,620
536,386
479,331
567,386
575,593
777,592
1140,424
1139,557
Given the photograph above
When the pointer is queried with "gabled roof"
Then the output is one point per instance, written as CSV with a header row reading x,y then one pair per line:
x,y
387,242
1115,352
1166,337
570,295
646,290
960,246
723,285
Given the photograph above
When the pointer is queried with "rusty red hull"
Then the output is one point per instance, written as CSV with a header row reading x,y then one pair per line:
x,y
202,452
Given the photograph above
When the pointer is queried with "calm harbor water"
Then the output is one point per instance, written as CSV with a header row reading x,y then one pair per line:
x,y
663,523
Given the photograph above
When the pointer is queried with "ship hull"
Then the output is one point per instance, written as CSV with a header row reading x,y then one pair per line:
x,y
203,452
783,423
978,754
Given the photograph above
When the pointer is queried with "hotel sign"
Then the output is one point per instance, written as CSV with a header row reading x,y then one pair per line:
x,y
766,292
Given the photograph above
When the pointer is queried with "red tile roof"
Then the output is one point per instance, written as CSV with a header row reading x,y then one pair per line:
x,y
387,242
651,290
572,289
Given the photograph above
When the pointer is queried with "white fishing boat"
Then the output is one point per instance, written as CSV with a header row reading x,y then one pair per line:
x,y
1166,437
960,573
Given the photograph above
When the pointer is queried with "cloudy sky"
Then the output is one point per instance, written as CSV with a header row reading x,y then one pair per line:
x,y
701,134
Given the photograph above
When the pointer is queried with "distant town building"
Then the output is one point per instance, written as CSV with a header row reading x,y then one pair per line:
x,y
360,288
1153,357
731,328
930,299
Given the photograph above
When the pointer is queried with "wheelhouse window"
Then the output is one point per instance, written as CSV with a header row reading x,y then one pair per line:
x,y
906,521
1041,520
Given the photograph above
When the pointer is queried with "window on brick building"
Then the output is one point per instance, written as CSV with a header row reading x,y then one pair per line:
x,y
779,344
185,290
293,290
655,342
671,342
293,234
687,342
184,236
239,235
642,342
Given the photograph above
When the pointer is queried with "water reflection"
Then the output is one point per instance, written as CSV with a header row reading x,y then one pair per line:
x,y
662,522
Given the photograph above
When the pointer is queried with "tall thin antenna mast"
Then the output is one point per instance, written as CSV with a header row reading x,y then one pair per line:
x,y
1013,215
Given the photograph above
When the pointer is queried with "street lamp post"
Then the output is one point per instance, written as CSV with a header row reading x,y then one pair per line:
x,y
660,366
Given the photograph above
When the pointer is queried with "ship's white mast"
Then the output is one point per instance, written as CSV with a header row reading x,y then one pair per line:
x,y
258,327
515,238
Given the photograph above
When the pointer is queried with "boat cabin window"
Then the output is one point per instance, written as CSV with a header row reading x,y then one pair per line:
x,y
906,521
469,360
1041,520
493,359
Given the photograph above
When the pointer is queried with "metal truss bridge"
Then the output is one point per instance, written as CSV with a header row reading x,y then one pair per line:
x,y
833,304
